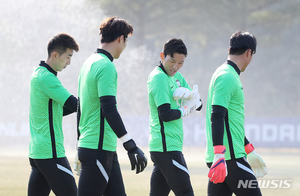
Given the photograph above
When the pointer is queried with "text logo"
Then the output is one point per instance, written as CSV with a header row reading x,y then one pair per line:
x,y
263,184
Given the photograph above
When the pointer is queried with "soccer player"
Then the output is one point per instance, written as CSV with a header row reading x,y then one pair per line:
x,y
170,99
227,146
99,121
49,102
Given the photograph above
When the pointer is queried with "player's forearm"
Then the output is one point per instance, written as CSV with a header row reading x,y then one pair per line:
x,y
167,114
217,124
70,105
112,116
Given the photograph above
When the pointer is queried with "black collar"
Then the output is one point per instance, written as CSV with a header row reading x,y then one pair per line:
x,y
162,67
48,67
234,66
99,50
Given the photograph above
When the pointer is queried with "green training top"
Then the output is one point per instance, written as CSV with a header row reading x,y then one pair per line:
x,y
160,91
47,98
97,78
226,90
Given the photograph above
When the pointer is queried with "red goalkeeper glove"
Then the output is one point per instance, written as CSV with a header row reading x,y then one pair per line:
x,y
218,170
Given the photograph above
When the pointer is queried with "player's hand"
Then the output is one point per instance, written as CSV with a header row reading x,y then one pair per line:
x,y
196,96
218,171
136,156
77,165
256,162
190,105
182,92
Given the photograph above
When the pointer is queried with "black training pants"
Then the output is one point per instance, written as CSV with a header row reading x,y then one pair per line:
x,y
100,173
51,174
170,173
239,174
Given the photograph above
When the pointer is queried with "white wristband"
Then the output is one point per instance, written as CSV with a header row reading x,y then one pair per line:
x,y
125,138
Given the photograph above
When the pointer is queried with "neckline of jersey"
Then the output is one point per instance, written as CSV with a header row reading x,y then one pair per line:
x,y
162,67
43,64
101,51
234,66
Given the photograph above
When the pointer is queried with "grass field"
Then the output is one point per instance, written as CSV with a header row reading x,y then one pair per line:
x,y
283,164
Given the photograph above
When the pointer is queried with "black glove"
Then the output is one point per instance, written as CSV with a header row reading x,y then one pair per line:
x,y
136,156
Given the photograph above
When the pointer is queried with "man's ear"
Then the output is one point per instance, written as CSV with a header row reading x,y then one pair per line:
x,y
162,56
249,52
121,38
54,55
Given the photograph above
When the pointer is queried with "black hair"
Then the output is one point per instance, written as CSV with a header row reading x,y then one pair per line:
x,y
60,43
241,41
113,27
174,46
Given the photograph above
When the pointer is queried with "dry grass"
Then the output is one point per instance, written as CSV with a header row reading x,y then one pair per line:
x,y
283,164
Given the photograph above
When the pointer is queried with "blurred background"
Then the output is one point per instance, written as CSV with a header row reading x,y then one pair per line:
x,y
271,81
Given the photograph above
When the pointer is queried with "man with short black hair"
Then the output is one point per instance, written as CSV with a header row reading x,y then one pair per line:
x,y
100,123
227,146
49,102
170,99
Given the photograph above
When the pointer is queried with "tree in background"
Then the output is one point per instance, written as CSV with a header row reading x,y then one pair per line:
x,y
205,27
